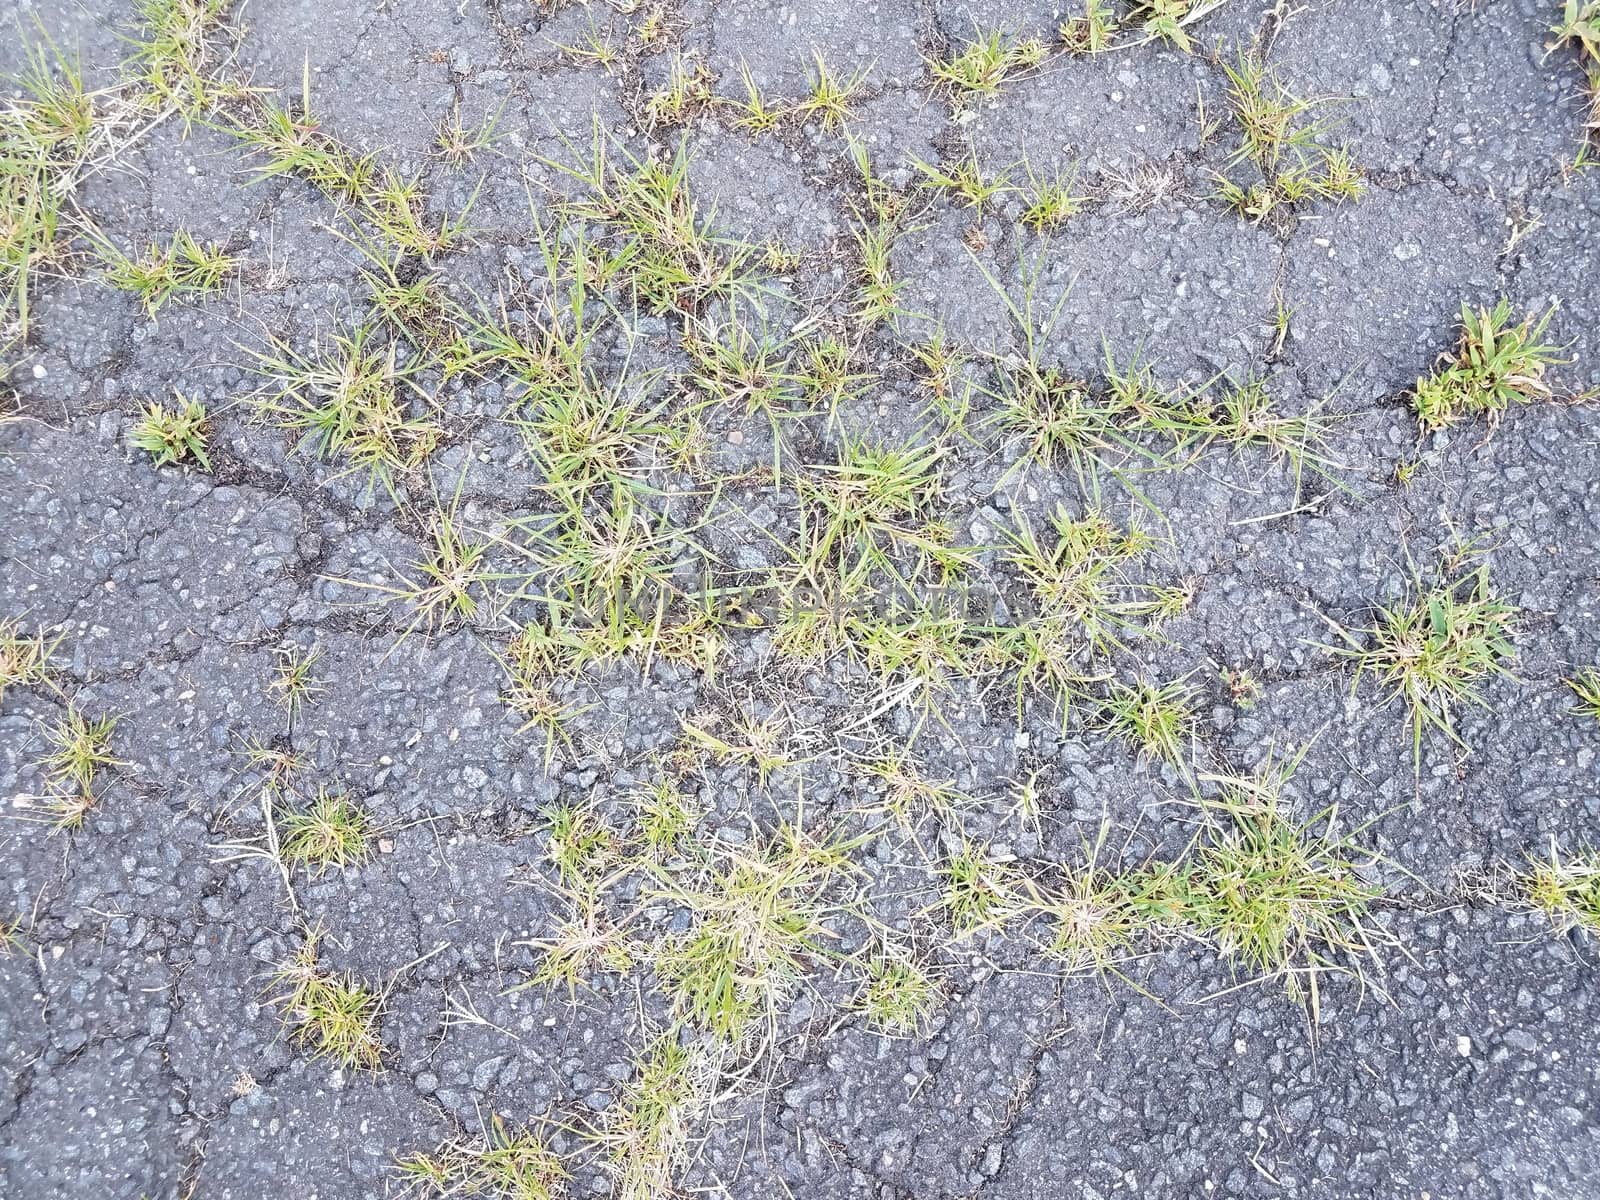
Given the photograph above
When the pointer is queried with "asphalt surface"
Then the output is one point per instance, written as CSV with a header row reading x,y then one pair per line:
x,y
139,1053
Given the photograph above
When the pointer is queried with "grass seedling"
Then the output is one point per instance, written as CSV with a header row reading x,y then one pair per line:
x,y
1100,917
1433,649
173,435
1283,896
755,114
1565,889
898,997
875,498
596,49
80,749
1157,718
294,144
880,288
1497,363
24,658
335,1016
331,831
292,681
831,99
160,273
1585,686
1051,201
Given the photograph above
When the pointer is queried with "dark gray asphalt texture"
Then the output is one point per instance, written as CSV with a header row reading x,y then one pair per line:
x,y
139,1053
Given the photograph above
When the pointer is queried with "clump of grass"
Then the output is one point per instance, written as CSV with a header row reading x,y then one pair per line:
x,y
670,252
24,657
173,435
350,398
182,267
174,55
49,134
580,844
292,680
1498,362
456,142
1585,686
687,90
1566,889
80,748
1288,151
506,1163
1580,26
1051,200
1434,648
984,62
876,497
335,1016
754,925
1157,718
1283,896
1081,574
978,891
908,794
898,996
331,832
965,182
1092,32
643,1136
831,98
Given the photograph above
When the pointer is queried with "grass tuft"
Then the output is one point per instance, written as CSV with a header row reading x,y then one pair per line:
x,y
1434,648
331,832
24,657
335,1016
173,435
1497,363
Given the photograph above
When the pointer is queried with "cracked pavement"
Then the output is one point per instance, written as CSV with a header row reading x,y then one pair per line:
x,y
140,1052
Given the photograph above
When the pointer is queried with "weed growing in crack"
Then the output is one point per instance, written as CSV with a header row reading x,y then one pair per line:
x,y
984,62
183,267
80,748
24,657
643,1137
1288,151
687,90
965,182
1433,649
978,891
831,98
172,435
50,135
176,53
332,831
456,143
334,1016
1497,363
